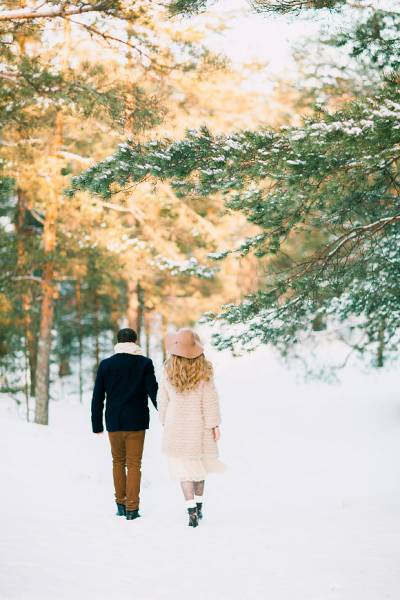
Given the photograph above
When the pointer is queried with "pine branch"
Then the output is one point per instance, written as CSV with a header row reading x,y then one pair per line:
x,y
72,156
122,209
357,232
36,216
28,278
9,76
52,11
110,38
288,6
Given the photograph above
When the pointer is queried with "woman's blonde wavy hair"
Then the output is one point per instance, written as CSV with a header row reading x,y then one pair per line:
x,y
186,373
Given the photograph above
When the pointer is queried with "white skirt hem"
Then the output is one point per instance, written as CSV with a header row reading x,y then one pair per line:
x,y
194,469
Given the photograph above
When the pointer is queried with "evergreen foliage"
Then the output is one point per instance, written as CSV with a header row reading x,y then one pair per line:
x,y
187,7
328,188
74,270
294,6
190,7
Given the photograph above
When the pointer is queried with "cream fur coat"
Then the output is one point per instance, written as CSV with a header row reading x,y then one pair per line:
x,y
189,418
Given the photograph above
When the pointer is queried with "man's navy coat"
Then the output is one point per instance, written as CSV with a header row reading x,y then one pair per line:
x,y
126,380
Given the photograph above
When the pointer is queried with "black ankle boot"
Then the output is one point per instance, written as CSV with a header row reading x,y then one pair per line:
x,y
193,521
132,514
199,506
121,510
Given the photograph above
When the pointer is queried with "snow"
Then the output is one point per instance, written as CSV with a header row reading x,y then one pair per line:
x,y
308,510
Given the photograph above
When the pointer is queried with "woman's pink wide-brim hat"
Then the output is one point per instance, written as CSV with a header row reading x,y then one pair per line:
x,y
184,343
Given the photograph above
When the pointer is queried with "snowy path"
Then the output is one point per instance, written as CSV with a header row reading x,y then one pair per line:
x,y
309,509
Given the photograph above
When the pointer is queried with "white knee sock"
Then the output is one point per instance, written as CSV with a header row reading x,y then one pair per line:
x,y
198,499
190,504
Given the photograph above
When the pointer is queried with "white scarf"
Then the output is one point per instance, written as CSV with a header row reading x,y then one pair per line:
x,y
127,348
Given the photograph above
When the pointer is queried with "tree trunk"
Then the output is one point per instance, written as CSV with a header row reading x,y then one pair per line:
x,y
80,338
96,331
132,313
48,284
31,341
26,293
64,363
140,311
147,329
26,382
164,328
381,346
46,318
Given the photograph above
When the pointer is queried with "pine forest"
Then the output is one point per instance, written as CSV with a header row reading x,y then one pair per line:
x,y
149,180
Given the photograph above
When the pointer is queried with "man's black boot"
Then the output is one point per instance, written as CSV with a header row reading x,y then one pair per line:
x,y
193,522
121,510
132,514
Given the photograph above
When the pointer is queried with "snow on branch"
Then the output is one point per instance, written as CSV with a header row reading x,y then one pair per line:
x,y
187,267
357,232
51,10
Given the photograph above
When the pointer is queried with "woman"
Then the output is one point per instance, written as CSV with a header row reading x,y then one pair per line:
x,y
189,410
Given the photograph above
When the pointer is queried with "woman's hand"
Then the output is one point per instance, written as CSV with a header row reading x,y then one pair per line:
x,y
217,434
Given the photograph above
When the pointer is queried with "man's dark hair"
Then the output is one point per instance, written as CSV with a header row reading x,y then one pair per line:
x,y
126,335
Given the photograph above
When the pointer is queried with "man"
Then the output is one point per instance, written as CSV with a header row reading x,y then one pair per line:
x,y
126,379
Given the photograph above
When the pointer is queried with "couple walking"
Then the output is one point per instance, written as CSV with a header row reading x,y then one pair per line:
x,y
188,407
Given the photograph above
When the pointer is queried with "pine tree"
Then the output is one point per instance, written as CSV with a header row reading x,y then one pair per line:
x,y
72,266
42,100
330,187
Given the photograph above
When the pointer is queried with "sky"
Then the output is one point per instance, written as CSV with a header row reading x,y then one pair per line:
x,y
255,37
269,38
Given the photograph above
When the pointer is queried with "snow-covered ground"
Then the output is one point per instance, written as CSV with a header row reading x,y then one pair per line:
x,y
308,510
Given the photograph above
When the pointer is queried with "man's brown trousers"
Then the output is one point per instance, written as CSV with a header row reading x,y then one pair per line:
x,y
127,450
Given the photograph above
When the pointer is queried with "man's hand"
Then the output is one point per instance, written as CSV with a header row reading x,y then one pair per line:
x,y
217,434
